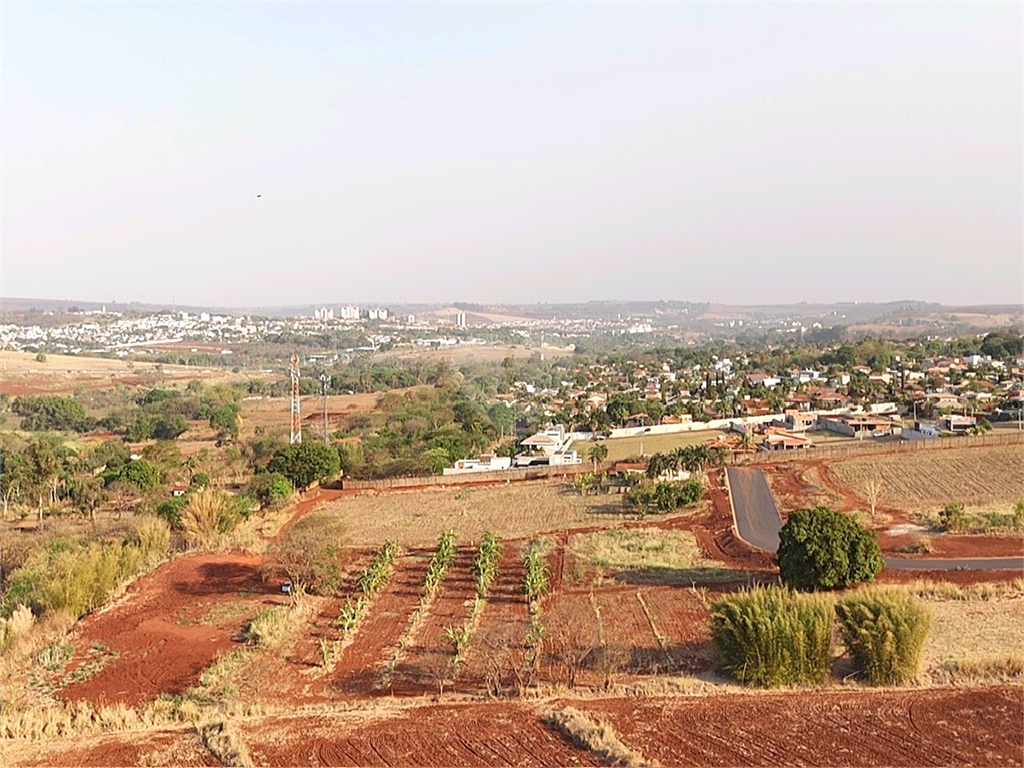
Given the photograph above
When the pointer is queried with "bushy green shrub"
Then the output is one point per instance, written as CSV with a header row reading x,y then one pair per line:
x,y
823,549
884,631
769,637
663,496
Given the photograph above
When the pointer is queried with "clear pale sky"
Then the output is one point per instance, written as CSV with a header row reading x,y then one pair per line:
x,y
498,152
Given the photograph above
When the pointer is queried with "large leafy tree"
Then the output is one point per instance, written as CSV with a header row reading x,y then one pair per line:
x,y
821,548
306,463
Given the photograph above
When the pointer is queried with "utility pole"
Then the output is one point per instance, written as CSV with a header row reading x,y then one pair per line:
x,y
325,380
296,416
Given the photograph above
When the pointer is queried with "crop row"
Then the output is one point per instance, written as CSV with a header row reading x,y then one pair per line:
x,y
373,578
442,559
485,564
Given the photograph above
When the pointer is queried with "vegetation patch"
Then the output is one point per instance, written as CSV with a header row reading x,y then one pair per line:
x,y
598,737
821,548
771,637
647,554
884,631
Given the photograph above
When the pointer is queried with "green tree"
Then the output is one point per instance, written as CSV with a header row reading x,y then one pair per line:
x,y
88,495
821,548
226,421
143,474
306,463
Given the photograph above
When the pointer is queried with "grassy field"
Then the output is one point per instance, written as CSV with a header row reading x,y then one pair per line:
x,y
620,448
925,481
974,630
416,518
638,548
25,362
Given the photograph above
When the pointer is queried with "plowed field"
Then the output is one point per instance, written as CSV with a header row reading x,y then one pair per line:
x,y
428,651
865,728
359,667
926,480
499,735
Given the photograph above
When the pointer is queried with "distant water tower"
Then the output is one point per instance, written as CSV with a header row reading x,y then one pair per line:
x,y
460,319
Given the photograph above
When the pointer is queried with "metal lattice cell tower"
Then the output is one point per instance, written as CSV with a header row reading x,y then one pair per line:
x,y
296,414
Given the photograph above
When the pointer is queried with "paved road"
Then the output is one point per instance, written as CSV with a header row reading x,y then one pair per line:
x,y
758,523
757,518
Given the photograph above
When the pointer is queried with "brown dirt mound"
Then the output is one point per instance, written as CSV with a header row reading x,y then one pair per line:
x,y
169,627
170,747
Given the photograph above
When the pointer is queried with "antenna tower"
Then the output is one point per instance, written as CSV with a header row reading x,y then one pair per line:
x,y
296,417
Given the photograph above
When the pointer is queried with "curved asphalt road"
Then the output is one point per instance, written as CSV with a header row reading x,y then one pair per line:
x,y
758,523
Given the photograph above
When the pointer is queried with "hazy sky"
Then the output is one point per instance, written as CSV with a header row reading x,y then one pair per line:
x,y
498,152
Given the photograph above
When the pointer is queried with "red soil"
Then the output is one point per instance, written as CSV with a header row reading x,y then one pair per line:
x,y
359,668
504,622
949,545
429,651
473,735
625,624
154,629
945,726
170,747
683,619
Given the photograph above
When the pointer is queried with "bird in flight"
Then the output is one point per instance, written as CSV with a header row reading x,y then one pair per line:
x,y
258,196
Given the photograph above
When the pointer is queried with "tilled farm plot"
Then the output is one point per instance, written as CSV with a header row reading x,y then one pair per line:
x,y
626,626
923,481
500,635
180,746
428,653
944,726
683,623
360,664
474,735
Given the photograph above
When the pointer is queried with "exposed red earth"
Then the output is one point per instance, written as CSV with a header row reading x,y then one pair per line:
x,y
168,627
864,727
943,726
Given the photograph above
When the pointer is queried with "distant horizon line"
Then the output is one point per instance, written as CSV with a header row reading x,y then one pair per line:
x,y
26,302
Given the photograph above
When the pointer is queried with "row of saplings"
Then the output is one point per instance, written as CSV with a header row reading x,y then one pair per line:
x,y
779,635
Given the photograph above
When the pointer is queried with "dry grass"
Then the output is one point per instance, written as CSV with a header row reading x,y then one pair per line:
x,y
416,518
224,744
987,478
598,737
631,548
620,448
945,590
1002,670
974,631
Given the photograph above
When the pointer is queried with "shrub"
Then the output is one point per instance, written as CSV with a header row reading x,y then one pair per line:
x,y
770,637
208,516
822,548
311,553
267,628
170,510
142,474
884,631
952,517
269,488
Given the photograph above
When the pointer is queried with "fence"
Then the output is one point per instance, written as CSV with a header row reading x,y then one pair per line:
x,y
838,450
468,478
